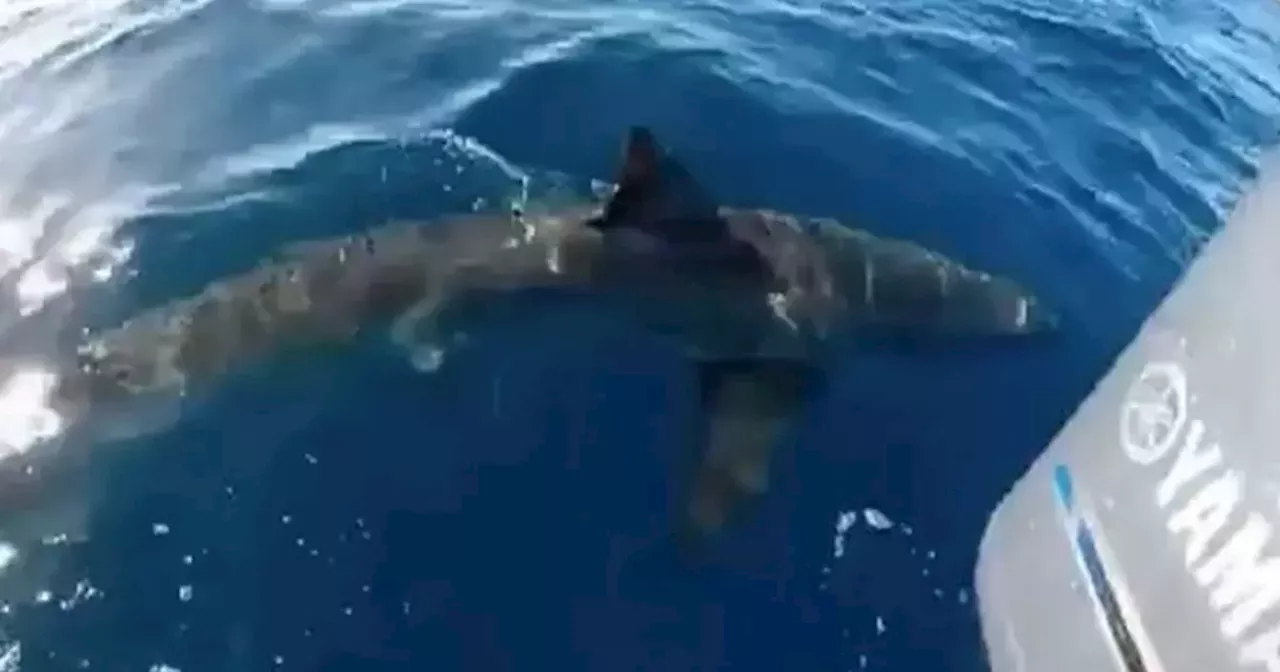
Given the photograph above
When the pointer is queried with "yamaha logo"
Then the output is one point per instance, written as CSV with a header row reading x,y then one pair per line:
x,y
1154,412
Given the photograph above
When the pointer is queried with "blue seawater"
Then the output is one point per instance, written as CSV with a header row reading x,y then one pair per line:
x,y
347,513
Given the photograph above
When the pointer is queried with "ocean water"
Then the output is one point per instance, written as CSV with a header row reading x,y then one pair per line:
x,y
345,512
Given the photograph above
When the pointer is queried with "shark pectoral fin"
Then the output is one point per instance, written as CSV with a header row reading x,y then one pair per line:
x,y
746,406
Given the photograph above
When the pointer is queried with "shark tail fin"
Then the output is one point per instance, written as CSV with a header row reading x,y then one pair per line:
x,y
747,404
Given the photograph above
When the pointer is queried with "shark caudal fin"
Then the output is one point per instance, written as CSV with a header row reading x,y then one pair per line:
x,y
747,405
657,195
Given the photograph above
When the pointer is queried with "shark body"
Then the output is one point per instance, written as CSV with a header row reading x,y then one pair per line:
x,y
755,297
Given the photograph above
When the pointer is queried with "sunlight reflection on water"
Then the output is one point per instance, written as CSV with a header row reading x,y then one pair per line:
x,y
26,417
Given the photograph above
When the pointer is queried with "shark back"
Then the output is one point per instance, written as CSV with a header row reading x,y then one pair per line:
x,y
821,277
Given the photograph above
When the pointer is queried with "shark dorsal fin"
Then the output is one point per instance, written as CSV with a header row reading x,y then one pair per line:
x,y
657,195
639,176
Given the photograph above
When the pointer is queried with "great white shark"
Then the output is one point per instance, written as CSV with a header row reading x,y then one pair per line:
x,y
757,299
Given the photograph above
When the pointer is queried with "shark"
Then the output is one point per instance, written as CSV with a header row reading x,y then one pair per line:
x,y
757,301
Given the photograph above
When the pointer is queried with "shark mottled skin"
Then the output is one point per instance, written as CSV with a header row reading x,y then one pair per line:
x,y
756,296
